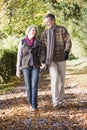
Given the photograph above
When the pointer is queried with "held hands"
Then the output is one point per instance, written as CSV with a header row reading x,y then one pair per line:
x,y
43,66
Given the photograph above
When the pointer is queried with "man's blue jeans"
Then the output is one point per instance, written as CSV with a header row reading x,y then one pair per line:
x,y
31,77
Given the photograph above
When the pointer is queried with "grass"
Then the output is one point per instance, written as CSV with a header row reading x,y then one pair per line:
x,y
5,87
77,66
79,63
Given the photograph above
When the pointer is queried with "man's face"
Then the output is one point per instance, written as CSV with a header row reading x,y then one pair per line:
x,y
49,22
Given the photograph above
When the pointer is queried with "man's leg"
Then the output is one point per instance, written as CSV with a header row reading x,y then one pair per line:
x,y
54,83
57,73
61,72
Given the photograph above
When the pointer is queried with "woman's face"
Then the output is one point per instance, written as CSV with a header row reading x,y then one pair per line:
x,y
32,32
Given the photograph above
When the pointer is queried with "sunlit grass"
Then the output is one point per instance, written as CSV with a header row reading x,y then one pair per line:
x,y
77,66
80,63
5,89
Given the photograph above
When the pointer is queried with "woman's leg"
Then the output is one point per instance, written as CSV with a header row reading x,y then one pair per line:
x,y
27,79
35,78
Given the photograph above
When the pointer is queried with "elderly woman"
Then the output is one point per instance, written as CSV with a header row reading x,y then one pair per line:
x,y
28,58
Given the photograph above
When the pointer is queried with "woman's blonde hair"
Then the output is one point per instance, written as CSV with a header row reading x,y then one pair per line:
x,y
29,28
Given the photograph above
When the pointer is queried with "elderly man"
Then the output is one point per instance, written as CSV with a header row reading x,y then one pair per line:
x,y
56,45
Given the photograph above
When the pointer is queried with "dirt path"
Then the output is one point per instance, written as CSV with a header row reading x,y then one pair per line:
x,y
15,114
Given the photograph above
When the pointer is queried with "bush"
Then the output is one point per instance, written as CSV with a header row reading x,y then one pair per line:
x,y
7,64
8,54
40,29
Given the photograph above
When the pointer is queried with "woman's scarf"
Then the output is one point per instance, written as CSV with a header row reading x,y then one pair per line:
x,y
30,42
50,44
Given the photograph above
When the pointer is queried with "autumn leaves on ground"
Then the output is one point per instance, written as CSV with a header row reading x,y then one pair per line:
x,y
15,113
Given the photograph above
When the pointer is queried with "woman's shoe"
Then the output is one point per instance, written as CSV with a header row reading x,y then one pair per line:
x,y
32,109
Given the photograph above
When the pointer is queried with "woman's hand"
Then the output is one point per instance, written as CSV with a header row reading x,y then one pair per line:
x,y
43,66
18,73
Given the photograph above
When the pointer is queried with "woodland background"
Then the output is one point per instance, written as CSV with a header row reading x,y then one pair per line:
x,y
15,17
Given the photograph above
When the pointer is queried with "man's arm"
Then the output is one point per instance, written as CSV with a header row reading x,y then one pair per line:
x,y
68,43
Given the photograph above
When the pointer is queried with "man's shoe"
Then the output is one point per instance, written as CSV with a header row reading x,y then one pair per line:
x,y
58,105
55,105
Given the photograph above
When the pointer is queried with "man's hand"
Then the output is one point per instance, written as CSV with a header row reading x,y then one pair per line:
x,y
66,55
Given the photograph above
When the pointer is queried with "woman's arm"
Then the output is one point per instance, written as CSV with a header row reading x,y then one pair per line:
x,y
19,59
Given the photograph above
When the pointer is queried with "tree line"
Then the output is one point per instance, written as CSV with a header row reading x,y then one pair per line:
x,y
17,15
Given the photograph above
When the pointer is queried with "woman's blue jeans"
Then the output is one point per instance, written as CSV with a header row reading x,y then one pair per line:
x,y
31,77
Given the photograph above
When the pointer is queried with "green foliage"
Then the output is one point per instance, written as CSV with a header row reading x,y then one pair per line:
x,y
8,54
65,9
7,64
11,42
21,14
5,88
17,15
40,29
